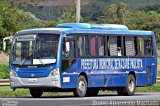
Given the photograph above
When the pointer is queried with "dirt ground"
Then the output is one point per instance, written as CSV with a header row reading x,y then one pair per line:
x,y
4,58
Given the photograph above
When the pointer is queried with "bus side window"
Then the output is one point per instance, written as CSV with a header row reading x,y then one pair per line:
x,y
146,46
119,46
141,46
130,46
148,50
113,45
97,45
83,45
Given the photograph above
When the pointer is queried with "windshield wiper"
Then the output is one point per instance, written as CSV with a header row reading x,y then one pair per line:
x,y
23,62
41,62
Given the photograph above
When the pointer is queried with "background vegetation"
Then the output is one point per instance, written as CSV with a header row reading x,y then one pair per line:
x,y
16,16
136,14
4,71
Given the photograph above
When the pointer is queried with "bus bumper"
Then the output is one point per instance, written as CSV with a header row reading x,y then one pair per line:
x,y
17,82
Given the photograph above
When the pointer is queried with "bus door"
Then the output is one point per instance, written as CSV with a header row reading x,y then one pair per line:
x,y
68,53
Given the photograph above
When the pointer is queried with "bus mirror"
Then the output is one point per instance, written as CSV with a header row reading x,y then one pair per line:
x,y
4,41
4,45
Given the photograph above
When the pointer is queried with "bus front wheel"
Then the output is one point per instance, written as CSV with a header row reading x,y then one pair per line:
x,y
81,89
36,93
129,90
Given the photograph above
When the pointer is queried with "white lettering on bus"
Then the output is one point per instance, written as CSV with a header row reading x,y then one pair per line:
x,y
111,64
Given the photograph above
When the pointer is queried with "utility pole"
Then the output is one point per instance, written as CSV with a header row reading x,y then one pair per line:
x,y
78,10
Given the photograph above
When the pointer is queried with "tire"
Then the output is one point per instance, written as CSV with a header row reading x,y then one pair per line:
x,y
92,92
130,88
36,93
81,89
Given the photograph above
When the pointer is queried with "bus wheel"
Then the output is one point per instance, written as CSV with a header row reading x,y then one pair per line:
x,y
129,90
92,92
36,93
81,89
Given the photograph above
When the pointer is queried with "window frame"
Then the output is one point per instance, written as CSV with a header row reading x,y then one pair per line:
x,y
106,52
152,46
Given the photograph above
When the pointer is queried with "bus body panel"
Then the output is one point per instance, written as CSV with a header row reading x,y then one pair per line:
x,y
109,77
96,76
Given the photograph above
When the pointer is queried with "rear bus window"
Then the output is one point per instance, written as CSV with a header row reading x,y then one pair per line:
x,y
146,46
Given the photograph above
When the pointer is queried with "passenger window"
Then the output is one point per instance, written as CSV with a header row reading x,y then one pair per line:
x,y
115,46
141,46
130,46
148,50
146,47
83,45
97,46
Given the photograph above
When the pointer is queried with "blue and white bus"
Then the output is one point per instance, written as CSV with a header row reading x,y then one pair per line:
x,y
83,58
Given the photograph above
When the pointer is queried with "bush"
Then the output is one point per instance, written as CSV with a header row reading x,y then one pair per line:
x,y
4,71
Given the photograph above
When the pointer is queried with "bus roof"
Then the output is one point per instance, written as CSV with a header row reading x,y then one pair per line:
x,y
69,28
93,26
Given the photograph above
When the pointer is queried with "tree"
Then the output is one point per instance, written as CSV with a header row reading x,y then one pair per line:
x,y
69,15
12,19
121,12
110,16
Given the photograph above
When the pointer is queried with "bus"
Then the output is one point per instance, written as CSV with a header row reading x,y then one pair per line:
x,y
83,58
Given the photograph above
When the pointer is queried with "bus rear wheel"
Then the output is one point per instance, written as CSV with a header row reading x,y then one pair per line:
x,y
36,93
129,90
81,89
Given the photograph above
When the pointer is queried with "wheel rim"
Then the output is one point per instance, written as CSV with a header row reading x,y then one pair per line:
x,y
131,86
82,86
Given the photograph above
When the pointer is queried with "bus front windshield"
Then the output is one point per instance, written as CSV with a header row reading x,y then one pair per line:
x,y
33,49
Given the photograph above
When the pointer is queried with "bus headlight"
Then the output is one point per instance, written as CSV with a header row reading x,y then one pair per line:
x,y
12,73
54,72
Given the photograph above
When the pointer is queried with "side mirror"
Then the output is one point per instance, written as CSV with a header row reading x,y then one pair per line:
x,y
4,41
4,45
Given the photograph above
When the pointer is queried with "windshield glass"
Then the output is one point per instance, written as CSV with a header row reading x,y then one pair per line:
x,y
38,49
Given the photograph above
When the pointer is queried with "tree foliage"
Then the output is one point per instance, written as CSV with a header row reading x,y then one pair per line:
x,y
69,15
136,20
12,19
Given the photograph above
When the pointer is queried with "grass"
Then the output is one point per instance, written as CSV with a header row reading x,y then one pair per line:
x,y
158,74
153,88
6,91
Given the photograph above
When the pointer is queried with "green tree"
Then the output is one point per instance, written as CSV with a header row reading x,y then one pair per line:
x,y
121,12
114,14
69,15
12,19
141,20
110,16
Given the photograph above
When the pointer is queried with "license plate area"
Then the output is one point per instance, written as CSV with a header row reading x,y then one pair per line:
x,y
32,80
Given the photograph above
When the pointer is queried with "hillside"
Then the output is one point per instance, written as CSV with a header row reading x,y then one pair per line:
x,y
56,2
52,9
131,3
